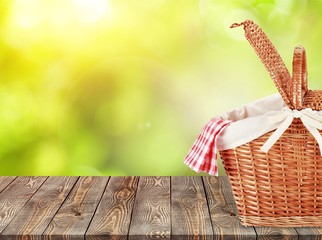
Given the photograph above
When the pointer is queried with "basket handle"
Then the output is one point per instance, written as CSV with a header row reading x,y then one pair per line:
x,y
269,57
298,84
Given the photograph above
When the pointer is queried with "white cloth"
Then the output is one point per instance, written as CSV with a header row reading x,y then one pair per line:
x,y
312,120
264,115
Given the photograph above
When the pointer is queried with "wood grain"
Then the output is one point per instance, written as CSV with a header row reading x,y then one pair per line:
x,y
223,210
106,237
114,212
5,181
309,233
35,216
77,211
15,196
190,214
268,233
151,212
122,208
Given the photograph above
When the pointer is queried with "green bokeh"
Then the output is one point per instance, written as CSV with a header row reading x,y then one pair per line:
x,y
120,87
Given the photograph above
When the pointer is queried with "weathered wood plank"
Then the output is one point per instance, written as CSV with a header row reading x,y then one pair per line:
x,y
30,205
151,211
5,181
106,237
267,233
190,214
15,196
19,237
74,216
35,216
114,211
40,237
309,233
195,237
223,210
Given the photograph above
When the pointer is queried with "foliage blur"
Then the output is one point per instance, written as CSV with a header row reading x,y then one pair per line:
x,y
121,87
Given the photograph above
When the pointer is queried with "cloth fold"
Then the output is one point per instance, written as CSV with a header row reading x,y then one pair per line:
x,y
242,125
202,157
312,120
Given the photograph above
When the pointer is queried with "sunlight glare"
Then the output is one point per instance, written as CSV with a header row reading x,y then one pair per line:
x,y
90,11
28,13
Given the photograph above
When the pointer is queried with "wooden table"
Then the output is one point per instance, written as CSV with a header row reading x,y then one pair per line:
x,y
127,208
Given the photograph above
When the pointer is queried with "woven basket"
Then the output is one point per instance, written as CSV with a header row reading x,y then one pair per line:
x,y
282,187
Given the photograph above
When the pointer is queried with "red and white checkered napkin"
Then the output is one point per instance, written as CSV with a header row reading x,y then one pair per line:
x,y
202,157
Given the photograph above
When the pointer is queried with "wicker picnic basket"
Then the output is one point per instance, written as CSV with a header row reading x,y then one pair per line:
x,y
282,187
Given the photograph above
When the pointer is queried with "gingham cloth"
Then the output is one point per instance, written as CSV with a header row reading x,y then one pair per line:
x,y
202,157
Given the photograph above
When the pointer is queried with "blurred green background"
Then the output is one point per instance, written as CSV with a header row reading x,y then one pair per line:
x,y
123,87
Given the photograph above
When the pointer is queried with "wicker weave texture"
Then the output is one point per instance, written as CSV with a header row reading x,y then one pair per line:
x,y
284,186
271,59
285,182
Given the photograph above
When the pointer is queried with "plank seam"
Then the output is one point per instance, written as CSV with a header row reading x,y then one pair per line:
x,y
207,199
24,203
133,204
98,203
8,184
42,234
298,235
